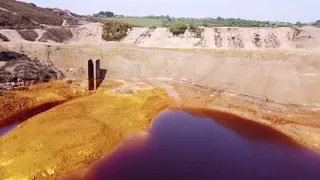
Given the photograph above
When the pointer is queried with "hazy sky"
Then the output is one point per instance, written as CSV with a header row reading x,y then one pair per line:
x,y
272,10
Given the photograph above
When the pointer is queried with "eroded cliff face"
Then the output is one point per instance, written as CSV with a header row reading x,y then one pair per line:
x,y
228,38
305,38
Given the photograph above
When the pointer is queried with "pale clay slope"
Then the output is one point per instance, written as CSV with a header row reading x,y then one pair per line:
x,y
305,38
286,81
90,33
225,38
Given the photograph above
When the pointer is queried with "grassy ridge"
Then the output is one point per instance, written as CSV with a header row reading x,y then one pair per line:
x,y
157,21
139,22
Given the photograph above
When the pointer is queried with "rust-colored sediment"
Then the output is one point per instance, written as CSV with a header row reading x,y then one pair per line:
x,y
17,106
72,135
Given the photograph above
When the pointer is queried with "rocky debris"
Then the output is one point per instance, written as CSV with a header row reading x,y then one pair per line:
x,y
70,18
73,73
32,12
202,42
18,70
20,15
257,42
235,41
4,38
69,81
299,37
123,91
29,35
8,56
198,33
50,171
271,41
217,38
57,35
288,36
296,33
10,20
144,35
225,38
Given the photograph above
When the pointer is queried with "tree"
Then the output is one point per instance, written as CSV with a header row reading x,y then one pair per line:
x,y
299,24
109,14
168,18
105,14
219,18
205,24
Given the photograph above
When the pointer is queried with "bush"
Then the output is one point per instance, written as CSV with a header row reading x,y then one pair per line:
x,y
205,24
178,27
115,30
29,35
193,27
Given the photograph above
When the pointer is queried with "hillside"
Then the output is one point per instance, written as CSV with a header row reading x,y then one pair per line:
x,y
20,15
20,21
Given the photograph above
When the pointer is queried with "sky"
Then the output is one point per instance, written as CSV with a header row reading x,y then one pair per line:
x,y
264,10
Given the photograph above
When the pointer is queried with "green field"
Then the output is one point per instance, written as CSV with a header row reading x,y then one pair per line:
x,y
139,22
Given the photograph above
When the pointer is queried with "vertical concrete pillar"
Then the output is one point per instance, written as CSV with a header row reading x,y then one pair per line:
x,y
97,74
90,75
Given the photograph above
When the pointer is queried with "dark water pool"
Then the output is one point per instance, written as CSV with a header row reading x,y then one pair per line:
x,y
200,144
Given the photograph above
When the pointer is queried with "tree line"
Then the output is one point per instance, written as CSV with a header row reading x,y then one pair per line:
x,y
213,22
104,14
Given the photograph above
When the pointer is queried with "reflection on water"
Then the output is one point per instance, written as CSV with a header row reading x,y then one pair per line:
x,y
4,130
201,144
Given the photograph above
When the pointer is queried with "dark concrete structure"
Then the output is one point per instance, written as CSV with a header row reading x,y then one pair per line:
x,y
94,74
90,75
97,74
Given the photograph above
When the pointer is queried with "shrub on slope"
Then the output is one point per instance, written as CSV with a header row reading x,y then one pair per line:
x,y
115,30
178,27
